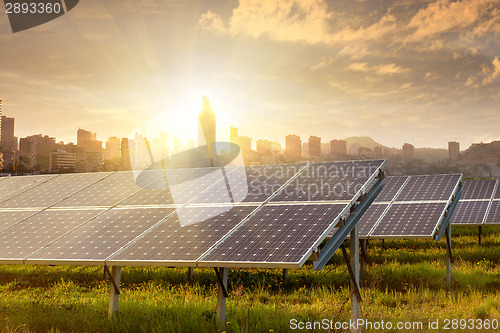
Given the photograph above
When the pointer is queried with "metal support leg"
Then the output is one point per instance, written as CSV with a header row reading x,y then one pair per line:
x,y
190,274
222,274
449,258
479,234
114,293
364,257
355,296
285,274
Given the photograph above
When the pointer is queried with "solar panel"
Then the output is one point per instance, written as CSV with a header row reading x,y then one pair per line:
x,y
101,237
12,186
10,217
176,186
470,212
478,189
169,243
410,220
23,239
106,192
281,234
494,213
370,218
329,181
429,188
497,192
54,190
392,185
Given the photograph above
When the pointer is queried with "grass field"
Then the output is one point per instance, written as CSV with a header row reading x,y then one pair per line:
x,y
404,281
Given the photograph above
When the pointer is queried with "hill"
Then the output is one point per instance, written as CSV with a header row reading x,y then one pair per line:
x,y
363,141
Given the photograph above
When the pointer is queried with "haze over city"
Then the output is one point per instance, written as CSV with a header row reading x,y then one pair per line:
x,y
397,71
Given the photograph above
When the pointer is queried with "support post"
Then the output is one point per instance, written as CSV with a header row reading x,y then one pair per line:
x,y
449,258
190,274
479,234
114,293
285,274
354,287
364,257
222,274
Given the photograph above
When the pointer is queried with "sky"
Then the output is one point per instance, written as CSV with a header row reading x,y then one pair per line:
x,y
423,72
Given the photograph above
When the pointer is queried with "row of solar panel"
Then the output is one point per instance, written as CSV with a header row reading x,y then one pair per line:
x,y
181,186
409,207
480,203
65,219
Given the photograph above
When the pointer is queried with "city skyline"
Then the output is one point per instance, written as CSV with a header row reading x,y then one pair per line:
x,y
420,72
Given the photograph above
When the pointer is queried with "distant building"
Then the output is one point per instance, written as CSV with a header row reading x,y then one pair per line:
x,y
378,151
244,142
325,148
338,147
408,152
293,146
354,149
36,152
112,150
8,142
207,123
268,147
62,161
305,149
90,156
125,154
314,145
453,150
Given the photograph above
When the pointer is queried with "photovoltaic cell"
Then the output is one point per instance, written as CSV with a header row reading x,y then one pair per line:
x,y
478,189
470,212
497,193
169,242
175,186
329,181
54,190
12,186
370,218
9,218
392,185
429,188
494,213
106,192
277,234
26,237
104,235
407,220
264,180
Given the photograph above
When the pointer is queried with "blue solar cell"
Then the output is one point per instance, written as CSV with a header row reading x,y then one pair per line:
x,y
494,214
478,189
470,212
429,188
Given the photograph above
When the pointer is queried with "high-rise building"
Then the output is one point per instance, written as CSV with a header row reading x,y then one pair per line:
x,y
338,148
453,150
314,145
268,147
305,149
90,156
207,123
378,151
293,146
125,154
36,151
408,152
112,150
8,142
62,161
244,142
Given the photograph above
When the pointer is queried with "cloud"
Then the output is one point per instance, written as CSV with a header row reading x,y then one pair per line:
x,y
491,72
281,20
451,16
387,69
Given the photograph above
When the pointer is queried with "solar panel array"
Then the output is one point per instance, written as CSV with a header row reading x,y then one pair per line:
x,y
480,203
254,216
409,207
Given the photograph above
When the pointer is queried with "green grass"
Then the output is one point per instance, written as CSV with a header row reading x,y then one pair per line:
x,y
404,281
